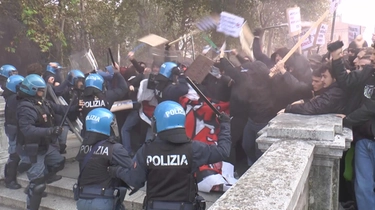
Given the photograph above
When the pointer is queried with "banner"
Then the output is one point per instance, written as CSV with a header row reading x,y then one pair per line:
x,y
320,39
230,24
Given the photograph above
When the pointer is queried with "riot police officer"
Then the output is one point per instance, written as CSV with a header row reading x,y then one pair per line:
x,y
169,161
10,169
96,95
96,189
5,72
36,130
170,83
52,74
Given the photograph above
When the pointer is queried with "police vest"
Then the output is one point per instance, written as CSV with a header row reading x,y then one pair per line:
x,y
95,171
170,176
91,102
45,119
11,110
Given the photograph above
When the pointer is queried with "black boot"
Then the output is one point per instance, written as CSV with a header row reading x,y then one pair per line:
x,y
10,172
35,193
53,178
62,148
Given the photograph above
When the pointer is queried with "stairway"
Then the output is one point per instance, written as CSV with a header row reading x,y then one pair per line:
x,y
60,193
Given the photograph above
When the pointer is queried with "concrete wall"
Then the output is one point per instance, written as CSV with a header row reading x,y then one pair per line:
x,y
299,169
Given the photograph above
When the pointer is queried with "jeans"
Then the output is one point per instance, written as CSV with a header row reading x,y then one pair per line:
x,y
365,174
131,121
11,132
95,204
248,142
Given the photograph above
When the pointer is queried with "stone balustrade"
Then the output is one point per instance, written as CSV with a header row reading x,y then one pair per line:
x,y
299,169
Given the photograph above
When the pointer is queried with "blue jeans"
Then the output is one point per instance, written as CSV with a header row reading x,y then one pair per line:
x,y
11,132
131,120
365,174
248,140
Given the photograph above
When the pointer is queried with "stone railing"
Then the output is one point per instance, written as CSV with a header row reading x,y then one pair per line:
x,y
299,169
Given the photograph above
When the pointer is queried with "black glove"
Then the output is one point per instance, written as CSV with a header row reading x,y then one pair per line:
x,y
335,46
136,105
258,32
167,46
112,170
55,131
223,117
176,71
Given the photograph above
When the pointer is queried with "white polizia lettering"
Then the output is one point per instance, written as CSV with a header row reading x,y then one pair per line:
x,y
93,118
175,111
91,77
96,103
102,150
168,160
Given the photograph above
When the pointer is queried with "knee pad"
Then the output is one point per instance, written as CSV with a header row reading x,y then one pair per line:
x,y
57,167
39,189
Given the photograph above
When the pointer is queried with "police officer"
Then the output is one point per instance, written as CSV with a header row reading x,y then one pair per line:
x,y
5,72
96,95
35,133
168,163
166,87
52,74
96,189
10,169
70,89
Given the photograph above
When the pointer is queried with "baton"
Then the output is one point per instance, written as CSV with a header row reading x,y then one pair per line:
x,y
66,113
202,96
110,54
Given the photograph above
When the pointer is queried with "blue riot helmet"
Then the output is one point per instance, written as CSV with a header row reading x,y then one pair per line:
x,y
169,115
51,69
95,81
14,81
108,73
74,76
166,69
8,70
100,120
31,84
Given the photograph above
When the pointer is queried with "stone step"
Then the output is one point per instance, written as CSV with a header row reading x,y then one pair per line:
x,y
16,199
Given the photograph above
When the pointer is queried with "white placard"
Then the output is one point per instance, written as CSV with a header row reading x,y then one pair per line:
x,y
309,42
294,20
353,32
334,5
321,39
230,24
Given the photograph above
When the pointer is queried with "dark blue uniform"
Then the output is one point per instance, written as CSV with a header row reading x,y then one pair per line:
x,y
35,121
201,154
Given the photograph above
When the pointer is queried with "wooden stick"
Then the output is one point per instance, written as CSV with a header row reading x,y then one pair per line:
x,y
307,34
191,33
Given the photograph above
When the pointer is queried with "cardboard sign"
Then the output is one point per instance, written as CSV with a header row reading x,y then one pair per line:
x,y
294,20
122,105
353,32
320,38
153,40
230,24
199,69
309,42
246,39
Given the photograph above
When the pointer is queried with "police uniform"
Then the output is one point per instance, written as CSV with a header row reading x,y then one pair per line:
x,y
166,89
35,132
96,189
95,95
9,94
168,163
